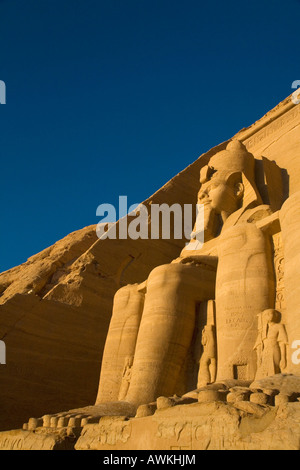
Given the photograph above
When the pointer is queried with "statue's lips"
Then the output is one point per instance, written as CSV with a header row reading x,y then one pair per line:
x,y
206,202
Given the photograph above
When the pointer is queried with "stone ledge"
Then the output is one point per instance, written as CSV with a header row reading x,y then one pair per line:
x,y
199,426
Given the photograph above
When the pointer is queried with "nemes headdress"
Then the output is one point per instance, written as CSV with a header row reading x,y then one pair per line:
x,y
235,159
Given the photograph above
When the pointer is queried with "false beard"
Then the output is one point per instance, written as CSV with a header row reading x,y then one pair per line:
x,y
207,228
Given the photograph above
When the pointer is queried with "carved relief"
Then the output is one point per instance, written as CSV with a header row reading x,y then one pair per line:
x,y
279,272
114,429
273,127
175,430
126,377
205,345
270,344
208,362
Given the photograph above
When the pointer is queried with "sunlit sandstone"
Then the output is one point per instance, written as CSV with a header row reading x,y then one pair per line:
x,y
199,354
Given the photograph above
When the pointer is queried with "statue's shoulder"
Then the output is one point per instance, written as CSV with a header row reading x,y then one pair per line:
x,y
251,215
257,214
247,228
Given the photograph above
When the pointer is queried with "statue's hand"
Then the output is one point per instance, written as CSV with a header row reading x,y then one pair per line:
x,y
185,260
204,260
177,260
282,364
199,260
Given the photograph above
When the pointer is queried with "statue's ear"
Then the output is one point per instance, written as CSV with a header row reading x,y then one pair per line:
x,y
239,190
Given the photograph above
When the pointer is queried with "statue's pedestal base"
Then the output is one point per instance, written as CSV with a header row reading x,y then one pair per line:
x,y
262,416
41,439
203,426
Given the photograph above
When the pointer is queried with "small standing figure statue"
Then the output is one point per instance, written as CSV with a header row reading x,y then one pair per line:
x,y
126,377
208,362
271,344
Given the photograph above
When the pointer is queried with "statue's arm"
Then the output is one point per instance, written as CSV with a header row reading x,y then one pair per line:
x,y
283,341
203,260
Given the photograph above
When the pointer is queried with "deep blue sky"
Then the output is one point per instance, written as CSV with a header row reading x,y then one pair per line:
x,y
114,97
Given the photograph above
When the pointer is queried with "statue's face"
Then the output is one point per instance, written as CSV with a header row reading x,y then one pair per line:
x,y
271,315
219,194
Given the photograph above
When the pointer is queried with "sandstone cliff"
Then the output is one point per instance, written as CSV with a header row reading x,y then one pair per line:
x,y
55,308
55,311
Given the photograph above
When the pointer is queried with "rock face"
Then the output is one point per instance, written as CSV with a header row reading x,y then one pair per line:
x,y
55,310
197,343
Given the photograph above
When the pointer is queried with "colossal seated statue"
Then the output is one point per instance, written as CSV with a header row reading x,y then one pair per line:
x,y
218,324
222,285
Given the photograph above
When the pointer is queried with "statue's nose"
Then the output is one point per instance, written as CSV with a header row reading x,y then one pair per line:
x,y
203,196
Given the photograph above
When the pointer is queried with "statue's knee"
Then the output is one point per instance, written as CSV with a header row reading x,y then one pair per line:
x,y
174,273
125,296
162,274
126,291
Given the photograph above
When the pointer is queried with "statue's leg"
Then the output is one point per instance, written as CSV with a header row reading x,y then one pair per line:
x,y
213,369
245,287
120,346
123,390
204,376
290,226
166,328
121,340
